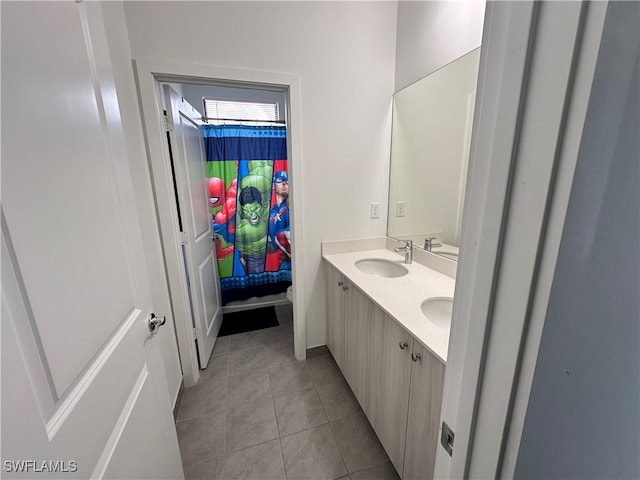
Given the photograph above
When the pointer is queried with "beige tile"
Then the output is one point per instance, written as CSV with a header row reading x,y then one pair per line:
x,y
289,378
221,346
245,340
299,411
279,354
324,369
338,400
250,424
207,396
384,471
245,361
211,468
278,335
312,454
201,437
216,369
249,387
260,462
358,443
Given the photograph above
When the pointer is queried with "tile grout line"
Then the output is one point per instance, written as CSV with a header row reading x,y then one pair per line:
x,y
315,383
331,428
344,462
284,462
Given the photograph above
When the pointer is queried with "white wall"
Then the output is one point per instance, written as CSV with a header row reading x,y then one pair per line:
x,y
582,419
344,53
432,34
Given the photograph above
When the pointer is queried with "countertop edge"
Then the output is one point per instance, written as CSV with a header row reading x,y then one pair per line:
x,y
401,298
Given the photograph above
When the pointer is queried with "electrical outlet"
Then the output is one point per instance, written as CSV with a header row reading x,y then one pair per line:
x,y
375,210
400,206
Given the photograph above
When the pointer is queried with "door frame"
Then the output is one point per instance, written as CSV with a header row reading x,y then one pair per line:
x,y
149,74
527,131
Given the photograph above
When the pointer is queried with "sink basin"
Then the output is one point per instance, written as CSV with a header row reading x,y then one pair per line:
x,y
438,310
381,268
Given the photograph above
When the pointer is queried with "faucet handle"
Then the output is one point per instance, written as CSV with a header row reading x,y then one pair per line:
x,y
406,244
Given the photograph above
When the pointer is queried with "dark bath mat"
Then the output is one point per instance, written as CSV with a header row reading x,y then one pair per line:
x,y
248,320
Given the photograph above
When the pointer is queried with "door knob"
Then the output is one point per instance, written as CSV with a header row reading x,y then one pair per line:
x,y
155,322
415,357
403,345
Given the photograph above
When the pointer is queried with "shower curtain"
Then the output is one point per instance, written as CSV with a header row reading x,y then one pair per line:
x,y
248,194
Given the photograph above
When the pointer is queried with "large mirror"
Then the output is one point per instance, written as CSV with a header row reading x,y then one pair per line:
x,y
430,141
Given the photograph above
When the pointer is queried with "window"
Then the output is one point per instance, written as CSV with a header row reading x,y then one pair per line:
x,y
223,110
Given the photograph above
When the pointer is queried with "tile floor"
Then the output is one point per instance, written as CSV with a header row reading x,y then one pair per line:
x,y
257,413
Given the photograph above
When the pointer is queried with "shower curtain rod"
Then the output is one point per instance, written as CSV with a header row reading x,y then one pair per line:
x,y
281,122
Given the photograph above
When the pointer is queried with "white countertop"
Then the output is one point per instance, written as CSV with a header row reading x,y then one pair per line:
x,y
401,297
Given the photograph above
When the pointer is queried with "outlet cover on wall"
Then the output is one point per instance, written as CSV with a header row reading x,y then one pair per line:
x,y
400,207
375,209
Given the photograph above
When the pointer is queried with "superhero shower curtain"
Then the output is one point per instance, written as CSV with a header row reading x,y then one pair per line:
x,y
248,191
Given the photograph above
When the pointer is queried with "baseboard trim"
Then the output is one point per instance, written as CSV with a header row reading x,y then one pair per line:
x,y
317,351
176,407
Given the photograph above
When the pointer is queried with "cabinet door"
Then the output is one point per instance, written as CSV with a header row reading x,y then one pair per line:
x,y
335,314
388,384
357,312
425,400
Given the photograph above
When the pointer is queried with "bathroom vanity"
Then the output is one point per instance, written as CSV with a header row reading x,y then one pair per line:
x,y
392,355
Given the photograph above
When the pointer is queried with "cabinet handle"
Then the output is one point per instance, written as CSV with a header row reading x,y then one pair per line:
x,y
415,357
345,287
403,345
340,284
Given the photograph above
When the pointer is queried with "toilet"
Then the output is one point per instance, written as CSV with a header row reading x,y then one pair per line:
x,y
290,294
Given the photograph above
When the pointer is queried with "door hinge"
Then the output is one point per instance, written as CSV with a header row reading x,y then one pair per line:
x,y
168,126
196,333
184,239
446,439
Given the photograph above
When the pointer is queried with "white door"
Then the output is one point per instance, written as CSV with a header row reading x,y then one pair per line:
x,y
84,392
187,148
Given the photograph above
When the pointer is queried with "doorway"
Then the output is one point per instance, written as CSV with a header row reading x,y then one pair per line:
x,y
150,75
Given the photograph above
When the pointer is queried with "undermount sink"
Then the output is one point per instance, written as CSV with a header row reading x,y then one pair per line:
x,y
381,267
438,310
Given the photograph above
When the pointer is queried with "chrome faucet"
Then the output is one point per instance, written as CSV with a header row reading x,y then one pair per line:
x,y
408,250
428,243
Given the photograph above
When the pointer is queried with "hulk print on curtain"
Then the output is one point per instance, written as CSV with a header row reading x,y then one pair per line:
x,y
248,191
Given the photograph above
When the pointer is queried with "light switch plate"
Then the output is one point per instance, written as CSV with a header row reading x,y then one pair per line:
x,y
375,209
400,207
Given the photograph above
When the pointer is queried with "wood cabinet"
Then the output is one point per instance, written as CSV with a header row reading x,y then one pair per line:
x,y
335,314
425,401
356,333
388,386
397,381
348,331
